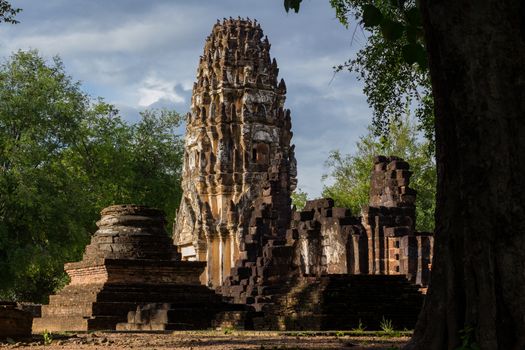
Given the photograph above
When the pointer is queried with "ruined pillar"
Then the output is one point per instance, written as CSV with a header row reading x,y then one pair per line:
x,y
394,246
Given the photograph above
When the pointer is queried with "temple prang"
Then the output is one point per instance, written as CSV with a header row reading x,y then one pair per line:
x,y
236,128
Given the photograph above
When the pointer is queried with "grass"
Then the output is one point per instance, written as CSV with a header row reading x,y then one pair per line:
x,y
48,337
350,333
356,332
360,327
386,325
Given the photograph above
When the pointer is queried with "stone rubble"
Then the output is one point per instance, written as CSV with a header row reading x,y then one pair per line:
x,y
14,322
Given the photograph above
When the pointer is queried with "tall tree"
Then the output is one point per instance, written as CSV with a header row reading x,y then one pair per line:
x,y
477,291
385,63
476,53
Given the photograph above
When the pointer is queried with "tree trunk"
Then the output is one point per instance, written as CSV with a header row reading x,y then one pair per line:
x,y
477,63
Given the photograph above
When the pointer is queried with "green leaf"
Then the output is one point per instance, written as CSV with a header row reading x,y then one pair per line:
x,y
398,4
391,30
409,53
413,17
372,16
296,4
292,4
412,34
415,53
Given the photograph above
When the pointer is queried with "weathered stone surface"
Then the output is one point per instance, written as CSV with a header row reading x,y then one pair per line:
x,y
130,262
265,262
291,281
327,240
343,302
383,240
14,322
238,134
394,247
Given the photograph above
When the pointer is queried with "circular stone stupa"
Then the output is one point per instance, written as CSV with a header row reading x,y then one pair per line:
x,y
130,262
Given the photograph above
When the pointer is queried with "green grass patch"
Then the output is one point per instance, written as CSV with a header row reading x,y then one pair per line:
x,y
350,333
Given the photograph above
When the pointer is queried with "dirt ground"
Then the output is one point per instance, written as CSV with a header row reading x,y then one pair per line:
x,y
216,340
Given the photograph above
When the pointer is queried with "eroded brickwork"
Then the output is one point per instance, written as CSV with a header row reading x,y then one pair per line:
x,y
265,263
14,322
328,240
130,262
394,247
383,240
236,131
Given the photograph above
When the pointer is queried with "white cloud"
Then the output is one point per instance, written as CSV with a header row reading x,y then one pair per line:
x,y
154,89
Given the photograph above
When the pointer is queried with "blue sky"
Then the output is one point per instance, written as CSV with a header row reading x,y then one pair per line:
x,y
139,54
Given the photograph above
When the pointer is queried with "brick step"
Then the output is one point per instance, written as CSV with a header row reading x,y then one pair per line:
x,y
105,322
88,309
75,323
154,296
364,298
340,301
182,326
144,295
61,309
59,324
175,315
171,288
165,316
72,299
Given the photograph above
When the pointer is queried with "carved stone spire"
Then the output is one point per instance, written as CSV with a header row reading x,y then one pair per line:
x,y
236,128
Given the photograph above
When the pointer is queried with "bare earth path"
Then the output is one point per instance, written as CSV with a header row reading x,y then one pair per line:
x,y
213,340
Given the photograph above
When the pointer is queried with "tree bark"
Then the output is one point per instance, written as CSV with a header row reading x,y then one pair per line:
x,y
477,63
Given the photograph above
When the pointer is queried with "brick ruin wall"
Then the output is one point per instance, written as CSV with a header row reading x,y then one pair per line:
x,y
383,240
324,240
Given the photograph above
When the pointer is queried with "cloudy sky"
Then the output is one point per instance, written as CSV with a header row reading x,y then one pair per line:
x,y
139,53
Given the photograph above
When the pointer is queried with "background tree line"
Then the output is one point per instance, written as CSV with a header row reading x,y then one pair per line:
x,y
348,177
63,157
347,180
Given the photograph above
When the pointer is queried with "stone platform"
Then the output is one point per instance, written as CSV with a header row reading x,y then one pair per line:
x,y
14,323
130,262
181,315
341,302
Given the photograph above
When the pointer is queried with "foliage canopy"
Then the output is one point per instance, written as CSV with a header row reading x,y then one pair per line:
x,y
393,62
65,156
349,174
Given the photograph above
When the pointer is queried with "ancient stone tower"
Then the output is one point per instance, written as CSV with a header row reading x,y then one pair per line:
x,y
236,133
